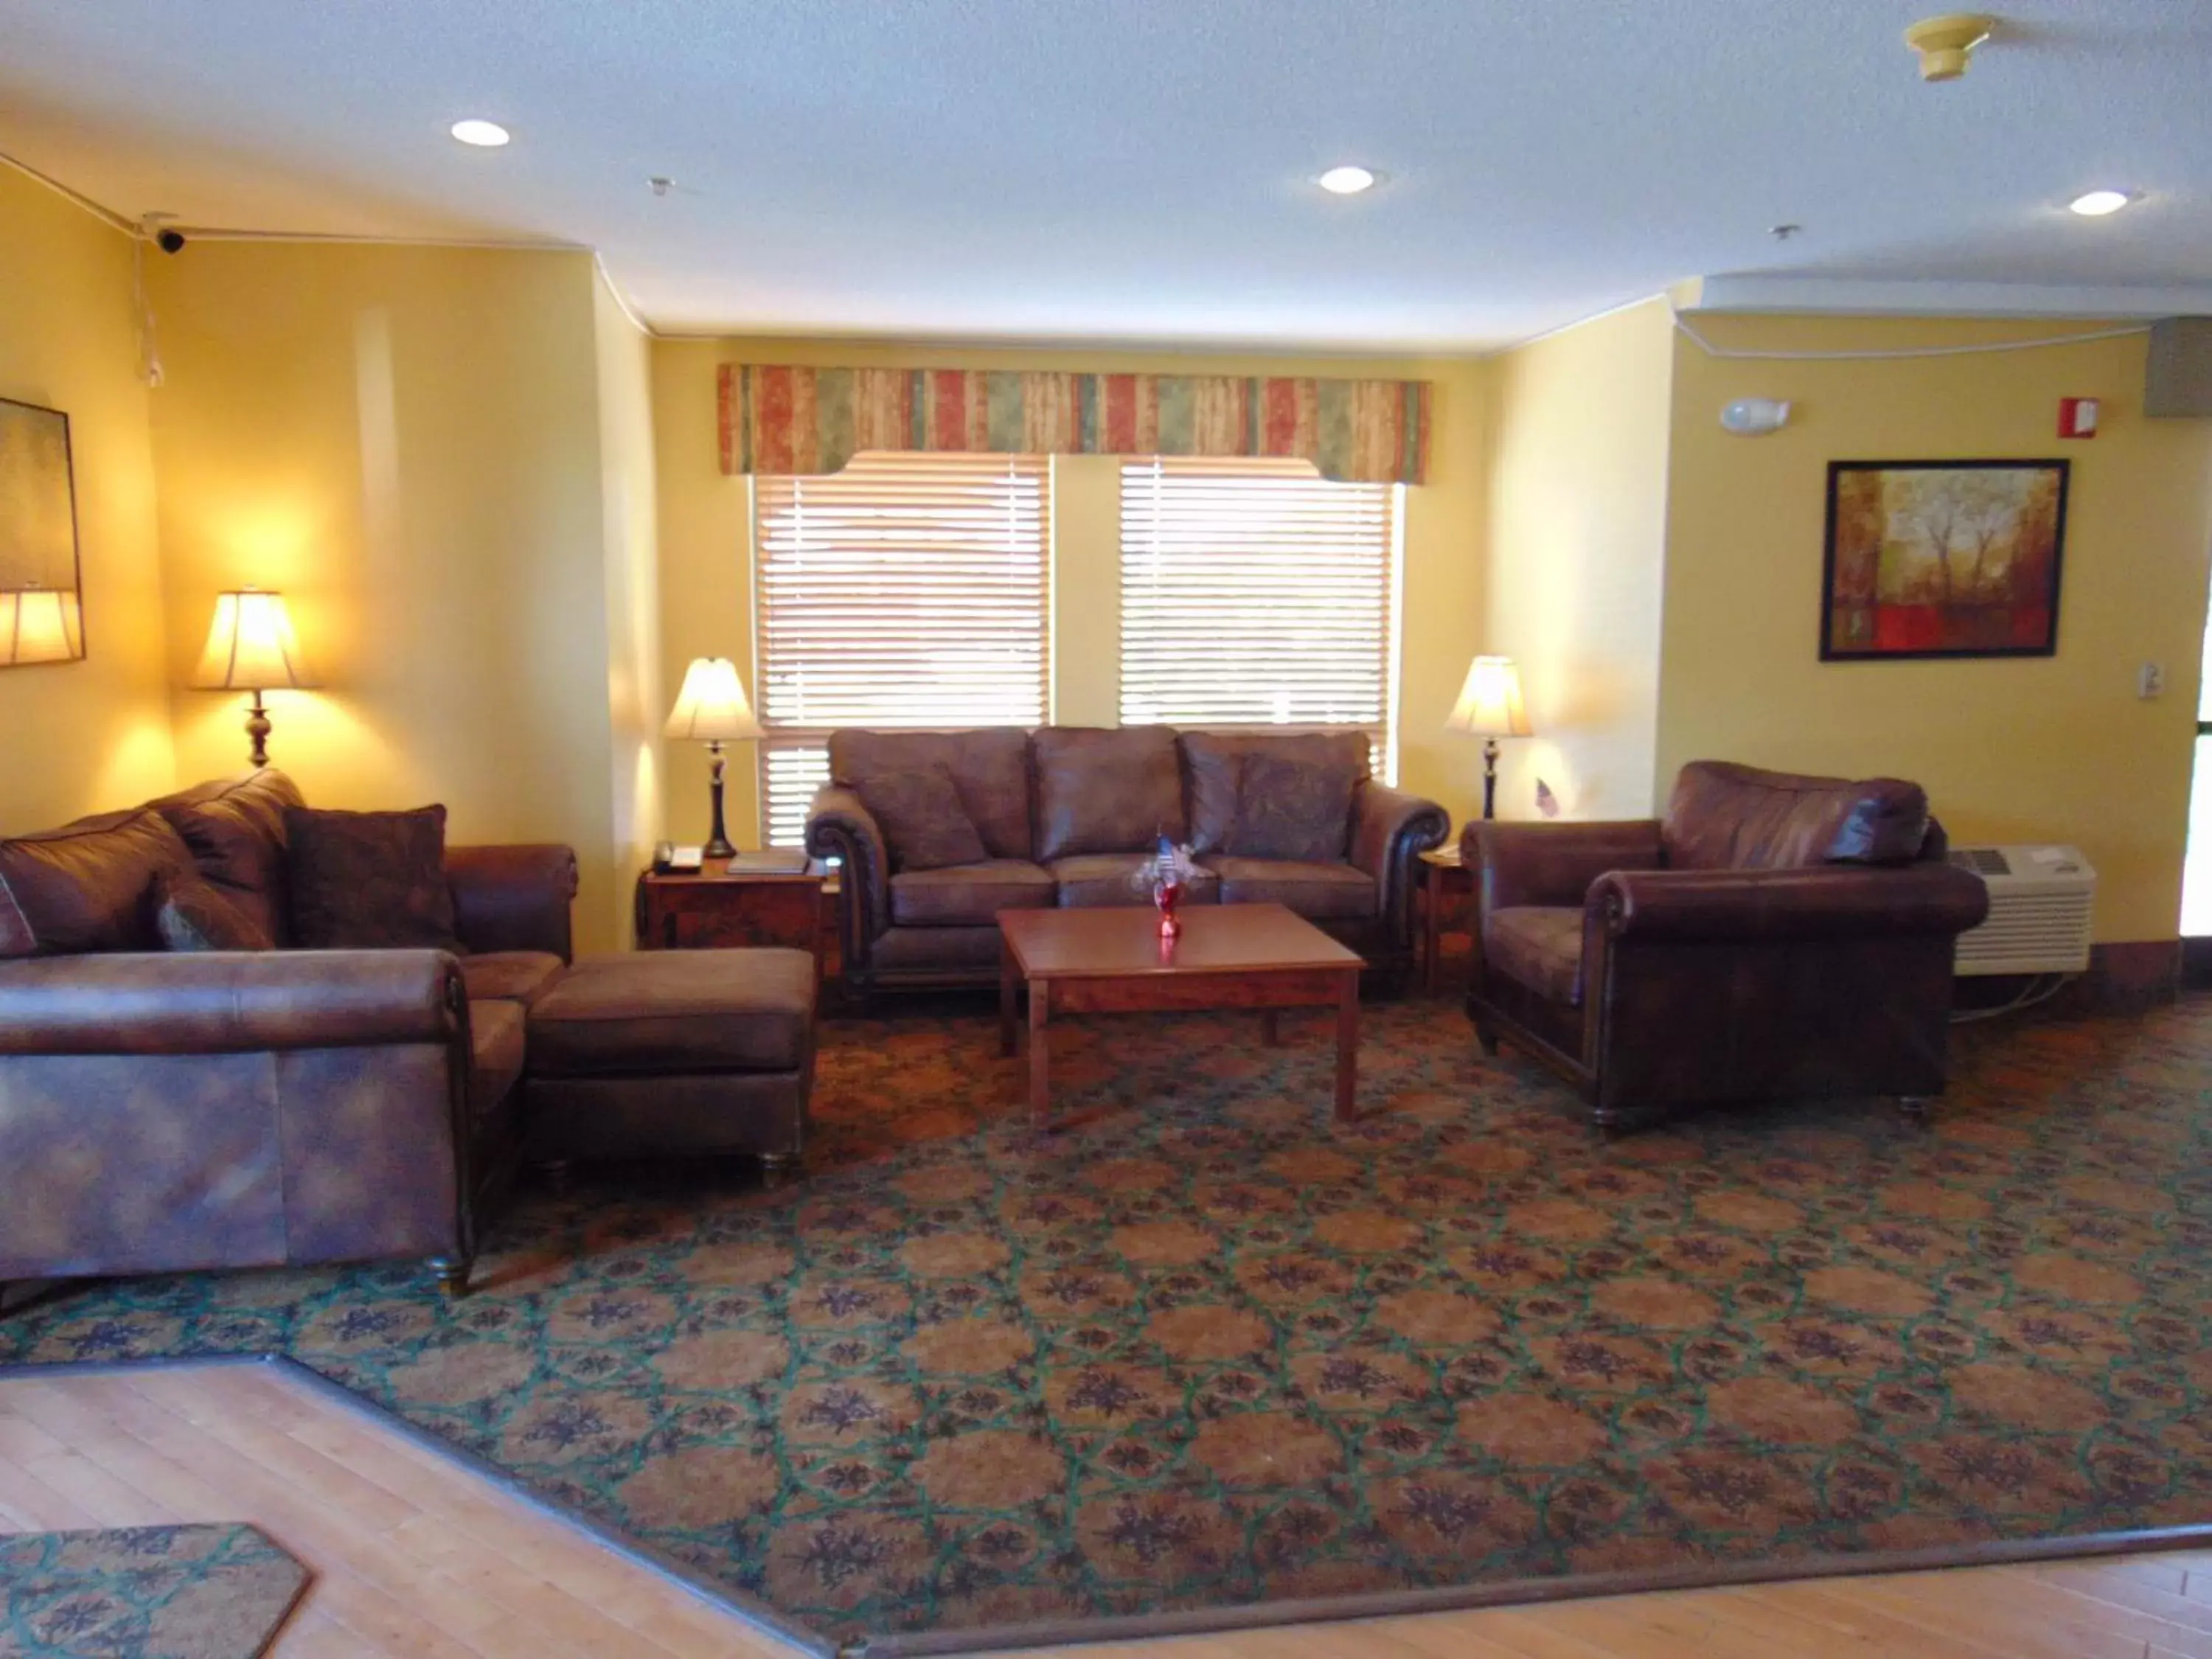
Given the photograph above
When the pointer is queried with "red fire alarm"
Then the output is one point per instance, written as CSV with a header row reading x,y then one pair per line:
x,y
2077,417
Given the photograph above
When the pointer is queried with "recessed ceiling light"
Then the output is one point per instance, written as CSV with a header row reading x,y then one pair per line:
x,y
2098,203
484,135
1346,180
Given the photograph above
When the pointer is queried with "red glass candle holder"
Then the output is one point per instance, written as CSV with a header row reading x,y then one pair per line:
x,y
1167,894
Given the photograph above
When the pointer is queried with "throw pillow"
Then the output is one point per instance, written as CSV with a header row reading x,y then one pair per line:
x,y
192,913
925,825
87,886
1292,808
368,880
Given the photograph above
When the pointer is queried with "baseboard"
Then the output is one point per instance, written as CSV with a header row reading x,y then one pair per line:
x,y
2123,977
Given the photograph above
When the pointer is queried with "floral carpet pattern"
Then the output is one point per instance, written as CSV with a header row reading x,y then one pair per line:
x,y
144,1593
1204,1346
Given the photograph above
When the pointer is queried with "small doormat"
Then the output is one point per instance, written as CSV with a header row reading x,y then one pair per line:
x,y
219,1592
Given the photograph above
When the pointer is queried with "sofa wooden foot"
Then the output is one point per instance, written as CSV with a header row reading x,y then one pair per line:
x,y
778,1170
1487,1039
1915,1109
451,1274
555,1173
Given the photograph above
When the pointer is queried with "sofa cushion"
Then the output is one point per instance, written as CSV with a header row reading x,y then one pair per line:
x,y
1099,879
1105,790
509,975
495,1053
925,825
1540,946
1213,764
990,767
969,895
236,828
667,1012
192,913
87,886
368,880
1724,816
1319,892
1293,806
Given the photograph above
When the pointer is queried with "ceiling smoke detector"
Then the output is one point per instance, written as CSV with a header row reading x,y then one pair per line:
x,y
1946,44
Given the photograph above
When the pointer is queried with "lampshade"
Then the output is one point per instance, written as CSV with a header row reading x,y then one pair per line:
x,y
712,707
251,646
40,624
1490,704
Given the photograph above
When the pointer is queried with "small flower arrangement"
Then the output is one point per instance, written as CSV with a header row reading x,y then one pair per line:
x,y
1170,869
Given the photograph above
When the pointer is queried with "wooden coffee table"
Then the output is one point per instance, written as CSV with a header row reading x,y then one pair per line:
x,y
1230,956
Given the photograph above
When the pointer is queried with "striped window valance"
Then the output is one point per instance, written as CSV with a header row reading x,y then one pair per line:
x,y
782,420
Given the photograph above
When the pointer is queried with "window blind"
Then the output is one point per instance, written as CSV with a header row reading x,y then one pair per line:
x,y
1255,594
904,591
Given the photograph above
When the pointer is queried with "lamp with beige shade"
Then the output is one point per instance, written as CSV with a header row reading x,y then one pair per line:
x,y
40,624
1490,707
251,647
712,708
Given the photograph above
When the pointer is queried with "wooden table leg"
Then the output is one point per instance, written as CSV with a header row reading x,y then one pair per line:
x,y
1348,1047
1432,931
1007,976
1271,1027
1040,1089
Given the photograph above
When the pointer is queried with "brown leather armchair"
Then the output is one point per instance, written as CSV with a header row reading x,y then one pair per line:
x,y
1774,936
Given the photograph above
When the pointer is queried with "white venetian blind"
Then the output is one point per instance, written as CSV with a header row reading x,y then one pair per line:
x,y
1256,594
905,591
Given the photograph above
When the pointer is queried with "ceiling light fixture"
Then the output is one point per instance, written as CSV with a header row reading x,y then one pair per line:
x,y
2096,203
484,135
1346,180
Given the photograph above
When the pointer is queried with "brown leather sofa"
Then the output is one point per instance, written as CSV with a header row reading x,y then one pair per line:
x,y
1065,815
1773,936
165,1112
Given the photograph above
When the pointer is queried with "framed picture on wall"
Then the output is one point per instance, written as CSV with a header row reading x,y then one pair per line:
x,y
1942,559
41,617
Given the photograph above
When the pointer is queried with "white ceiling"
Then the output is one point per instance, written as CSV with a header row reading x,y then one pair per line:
x,y
1138,169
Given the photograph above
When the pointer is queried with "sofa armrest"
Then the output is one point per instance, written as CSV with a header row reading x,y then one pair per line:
x,y
840,826
1390,829
228,1002
1775,905
1552,865
512,898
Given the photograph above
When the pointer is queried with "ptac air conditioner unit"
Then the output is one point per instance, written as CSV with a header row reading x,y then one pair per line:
x,y
2040,898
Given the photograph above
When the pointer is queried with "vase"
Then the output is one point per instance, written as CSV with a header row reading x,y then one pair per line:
x,y
1167,894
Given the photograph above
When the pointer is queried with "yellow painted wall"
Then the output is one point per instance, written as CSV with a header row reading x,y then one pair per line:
x,y
2057,749
706,547
408,441
90,736
1576,524
630,506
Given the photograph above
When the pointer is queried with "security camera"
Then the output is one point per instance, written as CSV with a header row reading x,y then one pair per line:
x,y
169,241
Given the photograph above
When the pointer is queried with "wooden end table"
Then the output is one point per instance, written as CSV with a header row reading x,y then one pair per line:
x,y
1230,956
1443,878
724,908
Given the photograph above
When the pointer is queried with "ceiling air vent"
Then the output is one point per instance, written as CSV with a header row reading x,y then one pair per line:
x,y
2040,902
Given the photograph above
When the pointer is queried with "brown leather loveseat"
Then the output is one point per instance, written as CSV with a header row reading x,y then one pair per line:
x,y
938,831
170,1111
1774,936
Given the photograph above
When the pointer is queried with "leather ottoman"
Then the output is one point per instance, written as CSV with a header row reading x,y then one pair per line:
x,y
687,1053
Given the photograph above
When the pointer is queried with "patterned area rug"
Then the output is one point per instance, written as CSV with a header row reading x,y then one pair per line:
x,y
1206,1349
144,1593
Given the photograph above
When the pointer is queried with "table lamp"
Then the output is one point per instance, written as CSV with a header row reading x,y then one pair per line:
x,y
712,709
40,624
1490,707
251,647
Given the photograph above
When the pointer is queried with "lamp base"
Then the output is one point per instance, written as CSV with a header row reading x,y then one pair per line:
x,y
718,844
257,729
1490,777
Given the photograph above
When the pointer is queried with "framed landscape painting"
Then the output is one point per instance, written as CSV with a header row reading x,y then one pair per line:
x,y
1942,559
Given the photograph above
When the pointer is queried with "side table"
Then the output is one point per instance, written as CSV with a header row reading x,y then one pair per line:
x,y
728,905
1443,879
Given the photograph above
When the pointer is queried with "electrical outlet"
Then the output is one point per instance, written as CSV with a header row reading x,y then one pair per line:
x,y
2150,681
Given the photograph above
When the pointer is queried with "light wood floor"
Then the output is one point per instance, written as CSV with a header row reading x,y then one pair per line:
x,y
415,1557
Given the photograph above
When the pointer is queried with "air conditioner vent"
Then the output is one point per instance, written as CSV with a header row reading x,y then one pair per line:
x,y
2042,901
